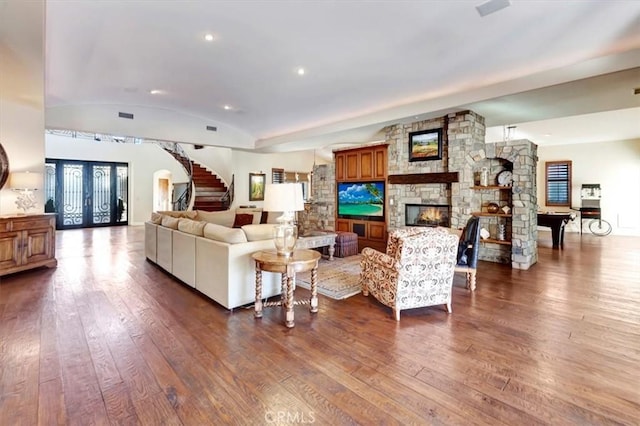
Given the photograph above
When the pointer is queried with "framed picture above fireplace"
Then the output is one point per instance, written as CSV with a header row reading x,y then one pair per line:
x,y
425,145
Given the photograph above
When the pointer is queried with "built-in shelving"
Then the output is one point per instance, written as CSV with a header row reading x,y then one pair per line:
x,y
478,187
491,214
494,241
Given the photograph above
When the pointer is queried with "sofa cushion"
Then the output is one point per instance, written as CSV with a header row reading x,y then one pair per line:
x,y
169,222
242,219
224,218
224,234
258,232
190,214
156,218
190,226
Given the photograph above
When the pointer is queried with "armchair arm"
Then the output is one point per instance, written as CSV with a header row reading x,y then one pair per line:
x,y
378,269
379,258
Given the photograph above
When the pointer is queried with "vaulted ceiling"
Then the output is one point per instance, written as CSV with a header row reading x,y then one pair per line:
x,y
367,64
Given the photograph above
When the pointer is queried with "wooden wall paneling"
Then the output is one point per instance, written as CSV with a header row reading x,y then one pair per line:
x,y
366,165
353,169
340,166
380,162
343,225
376,231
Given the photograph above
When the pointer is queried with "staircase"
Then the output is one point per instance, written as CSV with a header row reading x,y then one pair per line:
x,y
211,193
209,189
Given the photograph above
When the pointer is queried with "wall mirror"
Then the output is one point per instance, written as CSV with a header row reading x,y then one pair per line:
x,y
4,167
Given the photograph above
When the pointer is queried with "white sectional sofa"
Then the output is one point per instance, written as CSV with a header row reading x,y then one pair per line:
x,y
202,250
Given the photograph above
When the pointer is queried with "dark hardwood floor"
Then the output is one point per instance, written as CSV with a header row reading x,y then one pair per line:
x,y
108,338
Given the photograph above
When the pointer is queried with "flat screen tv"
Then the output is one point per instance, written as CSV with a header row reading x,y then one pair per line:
x,y
361,200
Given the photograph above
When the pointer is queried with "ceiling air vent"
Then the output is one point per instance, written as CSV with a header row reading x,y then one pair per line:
x,y
636,91
492,6
198,146
125,115
212,128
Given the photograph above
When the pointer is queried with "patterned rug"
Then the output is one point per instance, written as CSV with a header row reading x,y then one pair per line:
x,y
337,279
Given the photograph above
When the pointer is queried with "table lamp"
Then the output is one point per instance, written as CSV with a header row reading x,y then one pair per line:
x,y
24,183
285,198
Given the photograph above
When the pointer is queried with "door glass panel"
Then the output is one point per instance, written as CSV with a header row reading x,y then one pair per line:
x,y
101,194
86,193
122,183
72,194
50,188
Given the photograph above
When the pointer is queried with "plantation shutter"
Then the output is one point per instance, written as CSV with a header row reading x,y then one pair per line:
x,y
277,175
558,183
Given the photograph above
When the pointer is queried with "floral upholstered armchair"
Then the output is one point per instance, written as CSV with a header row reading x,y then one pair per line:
x,y
416,271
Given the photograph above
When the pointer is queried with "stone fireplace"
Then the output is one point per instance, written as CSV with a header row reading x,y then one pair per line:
x,y
427,215
465,153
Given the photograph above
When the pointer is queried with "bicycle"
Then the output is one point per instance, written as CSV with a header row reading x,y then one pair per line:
x,y
598,226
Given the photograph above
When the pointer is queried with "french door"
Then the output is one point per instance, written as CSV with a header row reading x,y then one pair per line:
x,y
86,194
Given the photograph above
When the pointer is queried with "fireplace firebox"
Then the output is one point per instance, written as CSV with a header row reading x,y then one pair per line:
x,y
427,215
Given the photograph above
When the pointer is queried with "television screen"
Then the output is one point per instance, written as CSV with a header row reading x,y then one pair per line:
x,y
361,200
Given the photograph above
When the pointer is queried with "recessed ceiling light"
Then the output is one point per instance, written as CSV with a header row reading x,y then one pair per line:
x,y
155,91
300,71
208,37
227,107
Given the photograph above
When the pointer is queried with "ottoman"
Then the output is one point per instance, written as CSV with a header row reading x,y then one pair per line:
x,y
346,244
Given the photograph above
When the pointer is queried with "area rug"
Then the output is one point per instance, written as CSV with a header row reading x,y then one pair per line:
x,y
337,279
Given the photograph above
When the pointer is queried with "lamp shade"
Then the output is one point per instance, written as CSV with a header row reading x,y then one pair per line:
x,y
283,197
25,180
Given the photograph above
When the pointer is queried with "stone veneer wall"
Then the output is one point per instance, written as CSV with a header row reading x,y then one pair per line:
x,y
397,136
523,157
465,152
320,214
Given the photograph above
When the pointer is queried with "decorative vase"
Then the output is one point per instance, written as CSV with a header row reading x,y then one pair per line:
x,y
502,232
484,177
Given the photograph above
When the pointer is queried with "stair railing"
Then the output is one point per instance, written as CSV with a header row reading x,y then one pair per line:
x,y
184,200
227,198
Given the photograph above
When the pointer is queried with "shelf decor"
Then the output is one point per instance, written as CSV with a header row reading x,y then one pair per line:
x,y
425,145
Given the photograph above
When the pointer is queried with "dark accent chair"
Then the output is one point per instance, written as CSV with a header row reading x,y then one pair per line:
x,y
468,246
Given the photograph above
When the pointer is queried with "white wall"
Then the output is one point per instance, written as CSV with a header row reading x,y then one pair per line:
x,y
615,166
144,160
249,162
22,94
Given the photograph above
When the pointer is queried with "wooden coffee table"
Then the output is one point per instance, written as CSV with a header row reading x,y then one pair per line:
x,y
299,261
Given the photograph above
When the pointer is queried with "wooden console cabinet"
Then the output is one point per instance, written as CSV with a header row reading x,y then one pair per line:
x,y
26,242
364,164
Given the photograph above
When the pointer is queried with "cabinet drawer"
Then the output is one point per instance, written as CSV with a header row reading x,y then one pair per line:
x,y
21,225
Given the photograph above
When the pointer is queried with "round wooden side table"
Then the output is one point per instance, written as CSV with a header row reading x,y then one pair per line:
x,y
299,261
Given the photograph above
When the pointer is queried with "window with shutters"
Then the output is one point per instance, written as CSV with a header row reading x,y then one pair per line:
x,y
558,183
277,175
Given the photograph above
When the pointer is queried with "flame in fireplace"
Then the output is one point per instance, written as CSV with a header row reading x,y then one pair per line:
x,y
430,215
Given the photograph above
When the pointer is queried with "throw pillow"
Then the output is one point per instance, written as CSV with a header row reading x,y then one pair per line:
x,y
224,218
156,218
242,219
224,234
264,216
193,227
170,222
178,213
